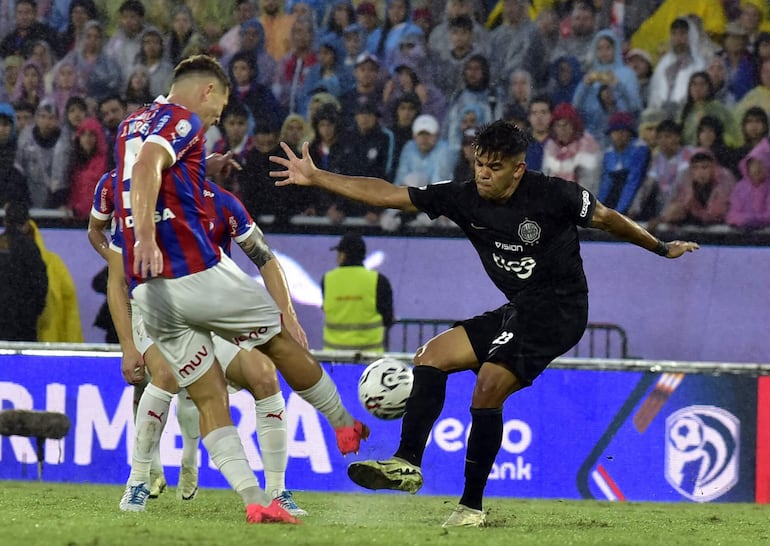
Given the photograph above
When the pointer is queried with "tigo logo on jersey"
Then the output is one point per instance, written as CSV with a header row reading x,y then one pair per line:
x,y
523,268
702,448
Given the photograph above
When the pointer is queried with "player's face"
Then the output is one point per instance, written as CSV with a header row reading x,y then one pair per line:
x,y
497,177
211,107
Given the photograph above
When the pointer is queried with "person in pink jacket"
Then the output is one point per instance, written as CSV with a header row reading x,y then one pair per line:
x,y
750,199
702,193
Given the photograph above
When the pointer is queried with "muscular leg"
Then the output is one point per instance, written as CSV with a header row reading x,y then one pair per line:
x,y
254,371
448,352
494,385
220,437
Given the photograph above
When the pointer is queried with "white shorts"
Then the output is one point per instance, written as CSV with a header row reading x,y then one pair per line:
x,y
181,315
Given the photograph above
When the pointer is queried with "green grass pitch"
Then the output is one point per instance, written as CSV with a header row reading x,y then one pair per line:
x,y
34,513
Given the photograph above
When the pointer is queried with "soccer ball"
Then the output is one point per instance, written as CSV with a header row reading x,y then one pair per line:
x,y
384,387
686,434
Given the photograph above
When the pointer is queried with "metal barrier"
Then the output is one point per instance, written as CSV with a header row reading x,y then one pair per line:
x,y
601,339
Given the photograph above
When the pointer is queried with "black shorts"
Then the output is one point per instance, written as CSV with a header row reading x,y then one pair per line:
x,y
526,337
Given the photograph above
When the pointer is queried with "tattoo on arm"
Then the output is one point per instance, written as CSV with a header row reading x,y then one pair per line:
x,y
257,249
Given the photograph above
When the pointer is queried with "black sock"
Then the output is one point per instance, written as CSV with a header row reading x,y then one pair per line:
x,y
483,444
422,409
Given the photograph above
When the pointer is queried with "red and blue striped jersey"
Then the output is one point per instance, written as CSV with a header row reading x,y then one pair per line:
x,y
104,203
229,218
181,221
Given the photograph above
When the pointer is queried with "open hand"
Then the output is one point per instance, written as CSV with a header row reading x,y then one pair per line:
x,y
298,170
677,248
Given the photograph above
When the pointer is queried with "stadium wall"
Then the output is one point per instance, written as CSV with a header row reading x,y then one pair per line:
x,y
589,429
713,305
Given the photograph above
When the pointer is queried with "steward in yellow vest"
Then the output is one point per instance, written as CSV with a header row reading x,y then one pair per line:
x,y
357,302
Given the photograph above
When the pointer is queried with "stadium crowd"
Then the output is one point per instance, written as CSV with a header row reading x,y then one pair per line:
x,y
659,107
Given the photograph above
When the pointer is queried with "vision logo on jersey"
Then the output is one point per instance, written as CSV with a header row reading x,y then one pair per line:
x,y
702,449
522,268
529,232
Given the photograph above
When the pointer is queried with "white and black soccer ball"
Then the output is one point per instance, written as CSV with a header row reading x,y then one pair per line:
x,y
384,387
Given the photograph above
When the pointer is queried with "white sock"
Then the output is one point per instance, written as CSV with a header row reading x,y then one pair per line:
x,y
189,425
273,444
225,449
324,397
151,417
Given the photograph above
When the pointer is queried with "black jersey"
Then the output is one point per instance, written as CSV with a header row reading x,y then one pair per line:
x,y
526,244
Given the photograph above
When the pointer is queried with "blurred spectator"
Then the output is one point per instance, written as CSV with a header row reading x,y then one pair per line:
x,y
608,73
74,23
11,68
476,92
710,135
701,195
461,47
564,77
367,18
516,44
256,97
75,111
27,30
668,162
88,164
151,56
328,74
519,92
253,43
761,52
184,38
754,127
547,23
138,92
60,321
425,159
624,165
341,14
423,18
13,186
65,84
367,87
718,73
235,138
752,17
353,41
737,60
23,278
404,111
327,151
25,115
572,153
295,131
397,23
112,110
640,62
277,24
458,15
539,129
319,99
103,319
758,96
648,127
294,67
367,151
700,102
34,155
668,86
42,53
750,199
29,86
407,79
126,41
243,10
98,71
580,35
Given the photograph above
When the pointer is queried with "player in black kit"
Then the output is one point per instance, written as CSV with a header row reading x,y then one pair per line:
x,y
523,225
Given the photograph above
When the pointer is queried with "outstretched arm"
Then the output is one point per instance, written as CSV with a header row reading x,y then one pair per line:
x,y
256,248
624,228
372,191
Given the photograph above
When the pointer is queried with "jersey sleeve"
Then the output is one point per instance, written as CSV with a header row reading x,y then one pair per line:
x,y
238,220
579,203
435,199
175,129
104,203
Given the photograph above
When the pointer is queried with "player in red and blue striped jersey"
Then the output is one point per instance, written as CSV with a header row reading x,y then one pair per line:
x,y
186,288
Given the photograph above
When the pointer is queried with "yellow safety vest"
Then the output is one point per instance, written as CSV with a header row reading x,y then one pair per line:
x,y
350,305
